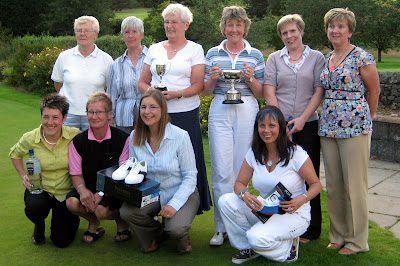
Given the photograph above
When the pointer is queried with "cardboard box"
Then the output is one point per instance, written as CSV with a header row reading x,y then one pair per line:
x,y
139,195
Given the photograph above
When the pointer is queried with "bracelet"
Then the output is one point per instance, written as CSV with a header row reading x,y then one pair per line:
x,y
79,186
182,95
101,193
307,200
241,194
148,88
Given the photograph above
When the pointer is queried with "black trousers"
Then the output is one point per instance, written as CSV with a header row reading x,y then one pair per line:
x,y
308,139
64,224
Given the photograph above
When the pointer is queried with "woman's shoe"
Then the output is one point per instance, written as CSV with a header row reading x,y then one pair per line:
x,y
137,174
218,239
124,169
347,251
294,252
334,246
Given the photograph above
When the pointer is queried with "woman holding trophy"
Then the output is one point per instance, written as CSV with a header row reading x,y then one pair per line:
x,y
180,63
229,124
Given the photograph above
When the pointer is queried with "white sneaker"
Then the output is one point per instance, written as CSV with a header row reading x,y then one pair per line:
x,y
218,239
137,174
124,169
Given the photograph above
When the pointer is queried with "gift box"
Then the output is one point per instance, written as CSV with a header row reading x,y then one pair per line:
x,y
139,195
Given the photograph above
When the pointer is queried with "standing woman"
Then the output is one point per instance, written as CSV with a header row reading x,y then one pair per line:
x,y
184,61
81,71
292,83
230,125
125,73
345,130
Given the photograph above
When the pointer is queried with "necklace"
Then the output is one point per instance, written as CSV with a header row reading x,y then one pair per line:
x,y
297,58
335,65
234,53
269,162
50,143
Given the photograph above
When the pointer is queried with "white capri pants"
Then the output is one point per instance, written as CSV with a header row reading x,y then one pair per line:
x,y
230,131
272,240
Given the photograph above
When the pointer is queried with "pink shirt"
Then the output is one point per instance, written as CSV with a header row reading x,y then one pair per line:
x,y
75,160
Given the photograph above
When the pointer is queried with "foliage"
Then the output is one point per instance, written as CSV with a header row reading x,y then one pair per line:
x,y
262,33
153,24
205,102
256,8
124,4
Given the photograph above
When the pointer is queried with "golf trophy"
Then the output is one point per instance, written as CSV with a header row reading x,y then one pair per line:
x,y
161,69
232,96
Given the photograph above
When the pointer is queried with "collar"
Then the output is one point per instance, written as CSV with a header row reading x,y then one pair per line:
x,y
143,53
285,52
247,46
168,132
94,53
64,134
92,137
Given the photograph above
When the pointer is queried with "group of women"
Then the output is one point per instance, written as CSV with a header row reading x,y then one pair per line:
x,y
279,143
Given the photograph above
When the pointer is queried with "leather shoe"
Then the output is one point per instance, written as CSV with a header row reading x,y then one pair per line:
x,y
347,251
124,169
153,247
333,246
304,240
137,174
188,248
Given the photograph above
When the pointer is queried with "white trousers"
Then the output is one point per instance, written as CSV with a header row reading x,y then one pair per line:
x,y
272,240
230,131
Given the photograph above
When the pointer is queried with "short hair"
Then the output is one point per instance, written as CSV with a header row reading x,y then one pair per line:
x,y
86,19
291,18
142,131
340,14
234,12
132,22
285,147
55,101
178,9
100,97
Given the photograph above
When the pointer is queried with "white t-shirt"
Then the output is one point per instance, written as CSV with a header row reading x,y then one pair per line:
x,y
81,76
178,72
264,181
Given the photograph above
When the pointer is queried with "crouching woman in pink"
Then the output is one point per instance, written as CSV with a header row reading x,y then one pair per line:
x,y
272,158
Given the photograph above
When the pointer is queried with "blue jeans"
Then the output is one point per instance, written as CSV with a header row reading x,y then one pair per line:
x,y
79,121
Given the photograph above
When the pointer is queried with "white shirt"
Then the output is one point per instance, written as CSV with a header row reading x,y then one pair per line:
x,y
81,76
178,72
264,181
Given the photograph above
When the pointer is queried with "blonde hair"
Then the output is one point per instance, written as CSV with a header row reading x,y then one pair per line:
x,y
291,18
86,19
142,131
100,97
234,12
340,14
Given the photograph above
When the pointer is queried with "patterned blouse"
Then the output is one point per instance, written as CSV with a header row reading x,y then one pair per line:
x,y
345,111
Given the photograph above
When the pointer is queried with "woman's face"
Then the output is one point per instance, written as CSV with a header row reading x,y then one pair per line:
x,y
291,36
85,35
150,112
174,27
234,30
98,116
268,129
338,32
52,121
132,37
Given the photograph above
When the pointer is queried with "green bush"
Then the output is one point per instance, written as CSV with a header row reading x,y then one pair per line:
x,y
205,102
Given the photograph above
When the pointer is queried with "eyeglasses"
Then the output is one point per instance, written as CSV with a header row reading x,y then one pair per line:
x,y
86,32
173,23
91,113
151,107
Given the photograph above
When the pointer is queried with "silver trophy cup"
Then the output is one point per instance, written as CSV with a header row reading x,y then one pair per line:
x,y
161,70
232,96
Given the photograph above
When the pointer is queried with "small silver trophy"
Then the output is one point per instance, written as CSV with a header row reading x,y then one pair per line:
x,y
232,96
161,70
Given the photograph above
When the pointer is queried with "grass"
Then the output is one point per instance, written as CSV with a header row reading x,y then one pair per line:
x,y
139,13
391,64
19,113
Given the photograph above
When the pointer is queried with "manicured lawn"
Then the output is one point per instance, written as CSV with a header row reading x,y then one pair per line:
x,y
391,64
139,13
19,113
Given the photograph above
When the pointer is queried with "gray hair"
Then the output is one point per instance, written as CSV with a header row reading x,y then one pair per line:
x,y
86,19
178,9
132,22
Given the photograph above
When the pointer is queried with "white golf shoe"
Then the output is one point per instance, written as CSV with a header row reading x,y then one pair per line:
x,y
137,174
124,169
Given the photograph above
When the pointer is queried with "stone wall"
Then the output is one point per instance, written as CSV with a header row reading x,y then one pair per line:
x,y
390,90
385,143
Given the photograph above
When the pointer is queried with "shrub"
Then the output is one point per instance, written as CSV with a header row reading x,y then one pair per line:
x,y
205,102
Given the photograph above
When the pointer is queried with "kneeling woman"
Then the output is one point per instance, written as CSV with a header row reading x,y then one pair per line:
x,y
273,158
170,160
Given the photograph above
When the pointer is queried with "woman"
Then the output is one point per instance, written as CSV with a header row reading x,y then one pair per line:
x,y
171,162
345,130
229,125
273,158
125,74
50,142
81,71
292,83
184,62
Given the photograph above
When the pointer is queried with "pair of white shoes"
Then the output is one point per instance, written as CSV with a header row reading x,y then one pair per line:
x,y
132,171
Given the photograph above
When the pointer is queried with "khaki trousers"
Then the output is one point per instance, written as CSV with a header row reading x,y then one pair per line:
x,y
346,172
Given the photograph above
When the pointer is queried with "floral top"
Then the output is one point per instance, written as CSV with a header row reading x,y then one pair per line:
x,y
345,112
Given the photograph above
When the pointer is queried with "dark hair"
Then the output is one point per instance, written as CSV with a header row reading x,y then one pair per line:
x,y
284,146
55,101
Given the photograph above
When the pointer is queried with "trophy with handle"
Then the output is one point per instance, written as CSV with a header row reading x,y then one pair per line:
x,y
232,96
161,69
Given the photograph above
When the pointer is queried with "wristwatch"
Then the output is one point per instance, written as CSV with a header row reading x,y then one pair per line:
x,y
241,194
101,193
250,80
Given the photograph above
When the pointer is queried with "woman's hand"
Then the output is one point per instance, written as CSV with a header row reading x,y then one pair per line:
x,y
87,199
252,202
169,95
298,125
248,72
294,204
25,182
167,212
215,72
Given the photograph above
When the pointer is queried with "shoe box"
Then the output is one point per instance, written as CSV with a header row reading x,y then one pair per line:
x,y
139,195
